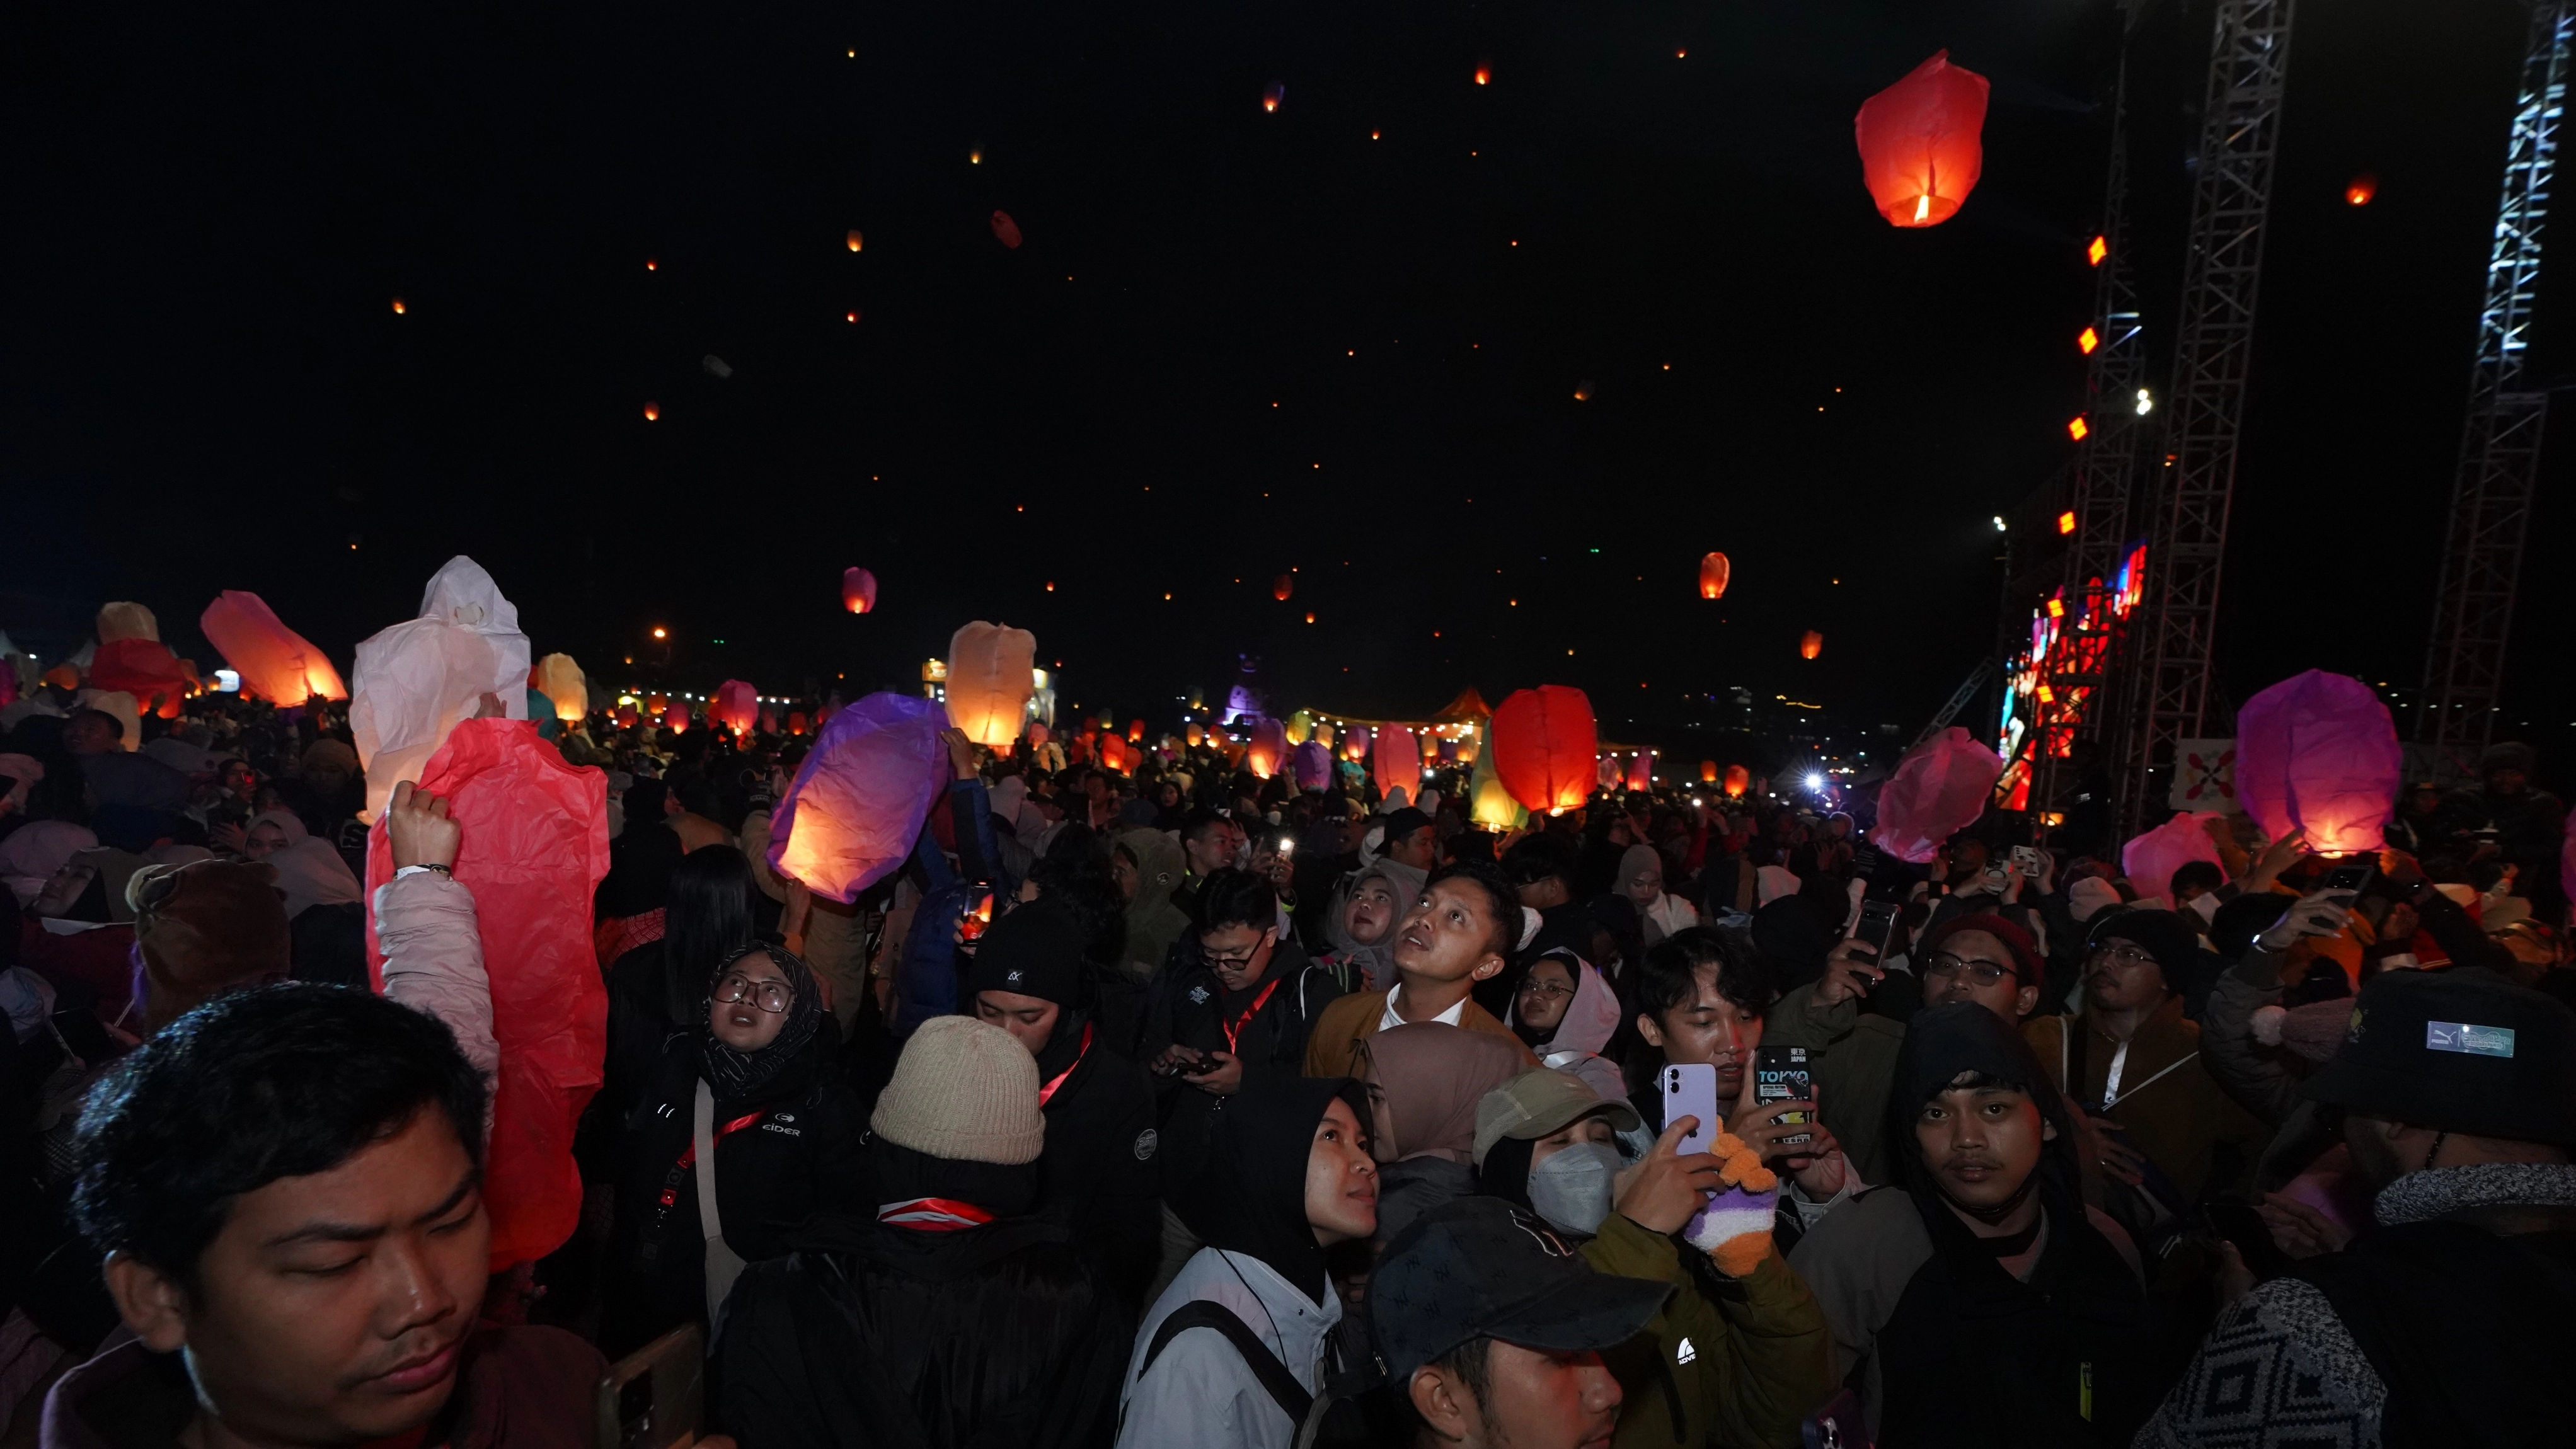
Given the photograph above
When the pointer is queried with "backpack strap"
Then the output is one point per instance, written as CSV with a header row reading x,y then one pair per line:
x,y
1282,1386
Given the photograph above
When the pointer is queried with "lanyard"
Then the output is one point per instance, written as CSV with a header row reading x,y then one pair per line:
x,y
1048,1091
1236,1029
689,1154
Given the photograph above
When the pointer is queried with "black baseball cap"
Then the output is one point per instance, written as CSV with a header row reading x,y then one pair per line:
x,y
1403,822
2459,1051
1478,1267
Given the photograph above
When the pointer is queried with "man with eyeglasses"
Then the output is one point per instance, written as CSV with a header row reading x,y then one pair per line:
x,y
2158,1121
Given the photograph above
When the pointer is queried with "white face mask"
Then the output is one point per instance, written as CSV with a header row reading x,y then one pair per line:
x,y
1571,1189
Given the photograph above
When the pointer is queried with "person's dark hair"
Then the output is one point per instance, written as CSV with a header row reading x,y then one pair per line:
x,y
1535,858
1075,871
1971,1082
1234,897
2196,875
1504,902
2235,924
707,919
1196,825
276,1081
1472,1364
1470,847
1666,979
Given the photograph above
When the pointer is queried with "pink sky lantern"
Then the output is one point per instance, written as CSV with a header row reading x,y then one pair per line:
x,y
1355,743
2317,752
275,663
857,804
2150,860
1606,772
1268,748
1396,761
1312,764
989,680
736,706
1940,788
858,590
1641,773
1920,154
676,718
1544,746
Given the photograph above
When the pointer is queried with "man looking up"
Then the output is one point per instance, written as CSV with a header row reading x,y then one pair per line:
x,y
1989,1229
287,1186
1460,933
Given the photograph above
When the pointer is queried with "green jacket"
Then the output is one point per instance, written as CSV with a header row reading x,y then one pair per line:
x,y
1737,1363
1854,1057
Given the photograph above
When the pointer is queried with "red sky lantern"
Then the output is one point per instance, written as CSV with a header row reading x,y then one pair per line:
x,y
1919,152
1544,746
1113,753
858,590
1708,772
796,721
1713,573
677,717
2363,188
1641,772
736,706
654,704
1269,747
1736,779
1811,645
1135,731
1397,761
1281,587
1005,230
626,716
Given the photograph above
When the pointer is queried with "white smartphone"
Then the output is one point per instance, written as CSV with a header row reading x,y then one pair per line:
x,y
1690,1090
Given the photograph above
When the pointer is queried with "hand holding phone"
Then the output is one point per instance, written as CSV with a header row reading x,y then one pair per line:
x,y
1690,1090
1783,1074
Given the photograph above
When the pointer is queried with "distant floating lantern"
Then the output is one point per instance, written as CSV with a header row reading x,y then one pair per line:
x,y
1113,754
651,265
796,721
1310,618
652,411
2363,188
1355,743
1708,772
1736,779
1484,74
854,239
1714,571
736,706
1919,149
626,716
1281,587
1811,645
654,704
1135,730
1005,230
1583,390
858,590
1272,95
398,306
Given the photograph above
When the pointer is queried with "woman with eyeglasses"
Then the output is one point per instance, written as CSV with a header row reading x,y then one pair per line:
x,y
1565,1013
751,1085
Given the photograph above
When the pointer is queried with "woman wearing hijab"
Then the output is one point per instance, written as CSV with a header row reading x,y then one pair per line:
x,y
1424,1080
1288,1175
1100,1173
325,906
1363,928
1566,1014
749,1081
1641,880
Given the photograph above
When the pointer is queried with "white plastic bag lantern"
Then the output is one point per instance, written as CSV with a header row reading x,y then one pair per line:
x,y
414,681
989,682
2319,753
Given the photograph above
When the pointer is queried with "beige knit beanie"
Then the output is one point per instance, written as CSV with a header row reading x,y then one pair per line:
x,y
966,1091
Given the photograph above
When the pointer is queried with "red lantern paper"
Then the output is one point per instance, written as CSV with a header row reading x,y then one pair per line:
x,y
1641,772
2150,860
1919,149
857,804
1355,743
989,680
1113,753
275,663
1737,779
858,590
536,847
1005,230
1281,587
1135,731
1396,762
1708,772
626,716
1940,787
736,706
796,721
144,668
1713,572
2319,753
560,681
676,718
1544,743
654,704
1268,747
1811,644
768,720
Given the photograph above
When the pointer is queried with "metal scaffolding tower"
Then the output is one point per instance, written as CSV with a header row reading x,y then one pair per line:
x,y
2500,446
2170,684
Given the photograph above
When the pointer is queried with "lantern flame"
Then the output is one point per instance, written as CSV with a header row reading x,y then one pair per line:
x,y
1918,139
858,590
2363,188
854,239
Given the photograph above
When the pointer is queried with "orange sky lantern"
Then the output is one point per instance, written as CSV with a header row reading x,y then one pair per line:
x,y
1272,95
1714,571
1484,74
1196,735
1736,779
2358,193
652,411
1919,149
854,239
989,680
1281,587
1811,645
1708,772
1135,730
858,590
1269,746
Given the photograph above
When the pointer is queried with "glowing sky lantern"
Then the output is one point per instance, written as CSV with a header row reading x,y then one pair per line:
x,y
2317,752
1005,230
560,680
736,706
1272,95
1268,747
989,680
1544,746
858,590
1737,777
1713,573
275,663
626,716
1281,587
854,812
1811,644
1919,152
1355,743
1708,772
676,718
1196,735
654,704
1113,753
1641,772
2358,193
854,239
1135,730
652,412
1396,760
796,721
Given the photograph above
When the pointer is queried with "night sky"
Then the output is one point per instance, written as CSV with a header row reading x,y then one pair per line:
x,y
1344,337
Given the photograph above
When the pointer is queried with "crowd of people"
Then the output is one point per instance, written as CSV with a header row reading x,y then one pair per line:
x,y
1171,1105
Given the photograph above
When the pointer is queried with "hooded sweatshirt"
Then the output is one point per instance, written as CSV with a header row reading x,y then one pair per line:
x,y
1946,1346
1371,967
1590,1020
1153,922
1261,1263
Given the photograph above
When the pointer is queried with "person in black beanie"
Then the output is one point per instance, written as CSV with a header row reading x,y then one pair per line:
x,y
1980,1302
1100,1174
2446,1323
